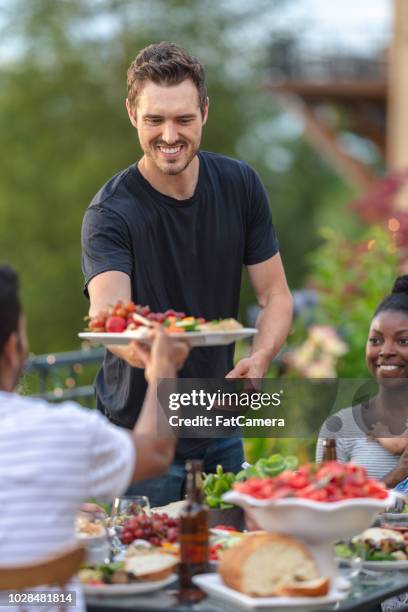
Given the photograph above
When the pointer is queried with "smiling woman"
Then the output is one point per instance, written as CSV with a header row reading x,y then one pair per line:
x,y
374,434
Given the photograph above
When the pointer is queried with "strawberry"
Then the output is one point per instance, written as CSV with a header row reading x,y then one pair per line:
x,y
97,324
115,324
130,307
119,310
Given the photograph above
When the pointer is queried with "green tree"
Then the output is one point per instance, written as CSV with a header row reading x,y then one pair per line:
x,y
65,132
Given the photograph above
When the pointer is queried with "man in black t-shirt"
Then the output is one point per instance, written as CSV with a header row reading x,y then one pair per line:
x,y
173,231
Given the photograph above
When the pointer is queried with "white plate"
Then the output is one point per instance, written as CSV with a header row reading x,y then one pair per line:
x,y
396,517
199,338
386,565
133,588
213,585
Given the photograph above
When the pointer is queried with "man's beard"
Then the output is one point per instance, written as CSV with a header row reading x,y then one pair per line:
x,y
173,171
169,168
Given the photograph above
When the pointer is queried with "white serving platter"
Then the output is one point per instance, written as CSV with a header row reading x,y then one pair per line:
x,y
199,338
394,517
213,585
133,588
387,566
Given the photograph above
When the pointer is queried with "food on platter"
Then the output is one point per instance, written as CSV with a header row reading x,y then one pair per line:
x,y
271,564
151,565
106,573
215,485
85,528
130,317
222,539
327,482
378,544
221,325
147,566
155,528
173,510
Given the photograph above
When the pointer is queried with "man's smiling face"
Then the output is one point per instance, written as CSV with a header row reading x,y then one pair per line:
x,y
169,122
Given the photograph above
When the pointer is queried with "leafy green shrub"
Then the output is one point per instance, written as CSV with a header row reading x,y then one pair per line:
x,y
352,277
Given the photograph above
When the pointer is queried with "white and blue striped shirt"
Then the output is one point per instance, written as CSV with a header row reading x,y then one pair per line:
x,y
53,457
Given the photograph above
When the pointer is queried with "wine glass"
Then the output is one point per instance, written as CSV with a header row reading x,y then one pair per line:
x,y
129,505
122,509
349,559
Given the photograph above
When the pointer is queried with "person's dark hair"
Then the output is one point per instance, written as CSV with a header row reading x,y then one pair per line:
x,y
166,63
398,298
10,308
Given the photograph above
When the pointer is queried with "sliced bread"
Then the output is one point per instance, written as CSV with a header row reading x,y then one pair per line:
x,y
265,563
151,566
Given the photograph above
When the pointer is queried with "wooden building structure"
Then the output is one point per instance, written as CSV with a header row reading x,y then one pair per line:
x,y
367,97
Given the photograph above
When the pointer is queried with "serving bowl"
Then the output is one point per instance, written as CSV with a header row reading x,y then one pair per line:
x,y
317,524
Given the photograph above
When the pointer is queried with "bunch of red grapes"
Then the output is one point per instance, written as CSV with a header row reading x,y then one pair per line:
x,y
156,529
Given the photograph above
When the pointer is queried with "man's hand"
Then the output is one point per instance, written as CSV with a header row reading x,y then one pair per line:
x,y
250,367
163,358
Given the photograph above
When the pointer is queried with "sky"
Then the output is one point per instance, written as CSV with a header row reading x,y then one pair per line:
x,y
357,24
360,25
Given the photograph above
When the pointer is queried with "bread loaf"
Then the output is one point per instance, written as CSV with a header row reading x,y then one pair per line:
x,y
266,564
307,588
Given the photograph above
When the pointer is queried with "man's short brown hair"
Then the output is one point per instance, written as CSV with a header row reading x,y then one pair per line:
x,y
165,63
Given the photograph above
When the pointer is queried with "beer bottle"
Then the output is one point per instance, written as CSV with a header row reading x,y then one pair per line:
x,y
329,449
193,527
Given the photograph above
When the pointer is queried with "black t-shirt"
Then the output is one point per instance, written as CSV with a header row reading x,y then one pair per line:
x,y
180,254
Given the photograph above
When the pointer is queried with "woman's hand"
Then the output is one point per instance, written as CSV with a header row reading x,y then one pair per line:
x,y
379,430
399,472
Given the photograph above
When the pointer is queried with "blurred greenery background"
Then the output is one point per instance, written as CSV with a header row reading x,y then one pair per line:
x,y
65,132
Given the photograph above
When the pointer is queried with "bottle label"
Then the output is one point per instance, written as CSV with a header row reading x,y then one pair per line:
x,y
194,552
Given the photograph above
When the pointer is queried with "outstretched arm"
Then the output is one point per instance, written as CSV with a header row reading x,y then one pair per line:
x,y
153,438
274,320
105,290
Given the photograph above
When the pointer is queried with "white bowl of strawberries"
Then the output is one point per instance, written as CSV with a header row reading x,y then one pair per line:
x,y
318,504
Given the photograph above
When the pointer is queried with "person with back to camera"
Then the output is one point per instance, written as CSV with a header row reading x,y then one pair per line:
x,y
374,434
173,231
54,457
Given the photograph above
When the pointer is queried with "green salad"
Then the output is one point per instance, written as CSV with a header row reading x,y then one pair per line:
x,y
215,485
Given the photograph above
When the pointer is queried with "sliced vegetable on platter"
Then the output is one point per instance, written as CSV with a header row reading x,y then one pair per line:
x,y
129,317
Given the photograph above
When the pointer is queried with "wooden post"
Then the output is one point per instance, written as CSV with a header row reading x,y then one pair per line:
x,y
397,113
326,142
